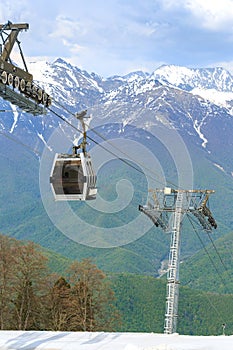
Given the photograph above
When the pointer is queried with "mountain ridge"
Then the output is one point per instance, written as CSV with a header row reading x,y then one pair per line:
x,y
134,107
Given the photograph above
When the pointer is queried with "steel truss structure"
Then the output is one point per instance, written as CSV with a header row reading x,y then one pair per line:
x,y
16,84
167,211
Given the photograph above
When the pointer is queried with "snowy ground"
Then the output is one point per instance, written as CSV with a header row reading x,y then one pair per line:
x,y
12,340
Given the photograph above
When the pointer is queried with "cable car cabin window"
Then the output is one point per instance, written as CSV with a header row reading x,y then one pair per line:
x,y
72,177
68,177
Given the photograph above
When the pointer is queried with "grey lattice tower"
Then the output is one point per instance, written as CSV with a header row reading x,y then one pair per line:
x,y
167,211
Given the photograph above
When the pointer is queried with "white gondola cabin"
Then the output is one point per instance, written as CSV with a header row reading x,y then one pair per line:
x,y
72,177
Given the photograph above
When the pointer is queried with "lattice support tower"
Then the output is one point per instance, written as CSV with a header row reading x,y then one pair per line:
x,y
167,211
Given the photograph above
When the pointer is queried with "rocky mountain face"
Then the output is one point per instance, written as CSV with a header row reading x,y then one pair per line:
x,y
196,104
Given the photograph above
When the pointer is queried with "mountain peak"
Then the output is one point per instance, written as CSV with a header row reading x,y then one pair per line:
x,y
216,78
60,61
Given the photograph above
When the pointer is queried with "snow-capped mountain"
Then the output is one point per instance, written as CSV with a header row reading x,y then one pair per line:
x,y
189,100
133,106
214,84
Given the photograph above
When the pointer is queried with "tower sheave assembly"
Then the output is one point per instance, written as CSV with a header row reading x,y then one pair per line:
x,y
16,84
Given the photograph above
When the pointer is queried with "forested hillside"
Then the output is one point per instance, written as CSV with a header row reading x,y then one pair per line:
x,y
161,128
210,269
32,297
141,302
79,296
168,136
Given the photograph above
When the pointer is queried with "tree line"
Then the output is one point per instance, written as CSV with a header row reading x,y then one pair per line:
x,y
33,298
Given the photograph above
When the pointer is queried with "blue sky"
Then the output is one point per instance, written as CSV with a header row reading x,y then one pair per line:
x,y
111,37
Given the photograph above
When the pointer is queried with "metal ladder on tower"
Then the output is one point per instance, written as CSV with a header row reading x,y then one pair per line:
x,y
172,296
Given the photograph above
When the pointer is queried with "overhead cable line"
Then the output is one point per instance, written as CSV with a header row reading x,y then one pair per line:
x,y
212,262
103,147
112,145
14,139
94,141
209,256
217,252
117,148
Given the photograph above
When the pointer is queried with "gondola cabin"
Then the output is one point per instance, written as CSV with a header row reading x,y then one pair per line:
x,y
72,177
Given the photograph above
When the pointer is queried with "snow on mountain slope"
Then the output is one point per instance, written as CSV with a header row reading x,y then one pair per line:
x,y
69,83
114,341
146,102
64,74
64,82
213,84
220,98
207,78
176,97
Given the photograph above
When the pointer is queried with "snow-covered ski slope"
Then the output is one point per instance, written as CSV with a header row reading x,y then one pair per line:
x,y
29,340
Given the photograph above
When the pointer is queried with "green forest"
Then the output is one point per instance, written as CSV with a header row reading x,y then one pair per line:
x,y
32,297
41,290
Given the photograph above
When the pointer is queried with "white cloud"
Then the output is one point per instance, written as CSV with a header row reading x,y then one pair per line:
x,y
210,14
112,37
215,14
12,10
65,28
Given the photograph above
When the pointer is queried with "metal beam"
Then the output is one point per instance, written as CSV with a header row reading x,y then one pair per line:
x,y
21,101
13,26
